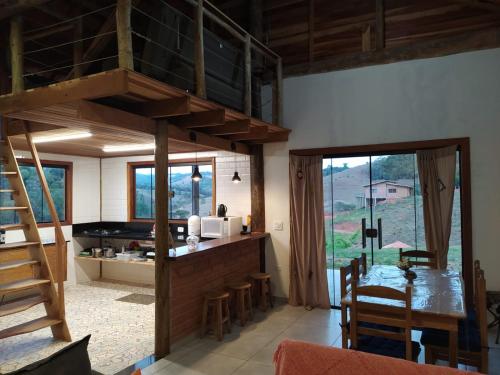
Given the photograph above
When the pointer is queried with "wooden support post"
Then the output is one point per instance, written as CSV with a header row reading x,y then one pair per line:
x,y
380,23
366,38
16,54
199,55
78,49
277,94
162,267
311,31
258,210
124,34
248,75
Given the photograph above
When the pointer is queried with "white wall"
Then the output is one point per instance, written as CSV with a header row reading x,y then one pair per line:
x,y
453,96
235,196
85,202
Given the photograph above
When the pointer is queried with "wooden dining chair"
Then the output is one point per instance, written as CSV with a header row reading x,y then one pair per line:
x,y
382,328
362,266
472,334
429,255
348,275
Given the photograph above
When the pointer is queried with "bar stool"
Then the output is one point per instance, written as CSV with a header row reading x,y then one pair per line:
x,y
242,300
261,283
218,303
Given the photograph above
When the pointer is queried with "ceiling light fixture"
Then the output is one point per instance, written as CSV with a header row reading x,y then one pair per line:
x,y
61,137
196,176
236,178
124,148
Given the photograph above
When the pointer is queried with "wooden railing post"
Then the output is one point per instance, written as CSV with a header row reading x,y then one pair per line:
x,y
16,54
124,34
248,75
162,267
278,94
59,235
199,55
366,38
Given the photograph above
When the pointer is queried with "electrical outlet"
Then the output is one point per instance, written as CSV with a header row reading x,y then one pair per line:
x,y
278,225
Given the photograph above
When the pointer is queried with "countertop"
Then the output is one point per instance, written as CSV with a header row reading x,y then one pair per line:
x,y
183,251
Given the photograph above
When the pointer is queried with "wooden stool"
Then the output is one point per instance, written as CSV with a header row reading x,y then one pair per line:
x,y
218,302
261,283
242,300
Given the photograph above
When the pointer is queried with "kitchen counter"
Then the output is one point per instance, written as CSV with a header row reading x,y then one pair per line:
x,y
184,252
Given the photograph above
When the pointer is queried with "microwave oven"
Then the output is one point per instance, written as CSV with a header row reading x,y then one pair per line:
x,y
220,227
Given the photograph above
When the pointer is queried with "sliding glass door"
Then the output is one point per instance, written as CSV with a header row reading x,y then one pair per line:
x,y
373,204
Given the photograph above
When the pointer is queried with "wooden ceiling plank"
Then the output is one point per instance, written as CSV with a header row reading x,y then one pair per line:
x,y
200,119
163,108
15,7
430,48
16,127
230,127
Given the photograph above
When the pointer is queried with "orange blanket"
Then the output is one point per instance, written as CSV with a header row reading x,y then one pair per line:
x,y
299,358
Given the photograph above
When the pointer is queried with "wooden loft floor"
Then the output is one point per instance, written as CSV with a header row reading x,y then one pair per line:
x,y
122,107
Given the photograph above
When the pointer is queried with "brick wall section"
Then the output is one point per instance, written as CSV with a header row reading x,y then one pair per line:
x,y
191,276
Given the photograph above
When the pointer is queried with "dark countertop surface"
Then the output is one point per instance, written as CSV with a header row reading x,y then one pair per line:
x,y
183,251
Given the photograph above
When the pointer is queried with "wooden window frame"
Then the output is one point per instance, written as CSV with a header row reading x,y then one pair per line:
x,y
131,166
68,186
463,145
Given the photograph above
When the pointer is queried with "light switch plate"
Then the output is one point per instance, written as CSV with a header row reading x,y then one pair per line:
x,y
278,225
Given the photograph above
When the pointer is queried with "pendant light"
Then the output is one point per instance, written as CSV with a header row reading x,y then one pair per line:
x,y
196,176
236,178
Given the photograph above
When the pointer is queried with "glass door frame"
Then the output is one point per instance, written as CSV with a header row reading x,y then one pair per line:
x,y
463,145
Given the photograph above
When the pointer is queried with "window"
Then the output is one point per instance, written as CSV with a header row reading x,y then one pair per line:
x,y
188,197
374,190
58,175
392,190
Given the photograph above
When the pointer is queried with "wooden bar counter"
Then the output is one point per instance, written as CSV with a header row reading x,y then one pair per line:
x,y
211,266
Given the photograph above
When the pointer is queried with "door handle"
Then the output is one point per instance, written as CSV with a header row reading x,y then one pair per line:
x,y
379,222
363,232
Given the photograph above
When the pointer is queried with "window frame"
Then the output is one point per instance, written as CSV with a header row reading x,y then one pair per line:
x,y
68,186
131,187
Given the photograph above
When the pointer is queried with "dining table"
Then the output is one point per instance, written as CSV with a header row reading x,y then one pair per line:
x,y
437,299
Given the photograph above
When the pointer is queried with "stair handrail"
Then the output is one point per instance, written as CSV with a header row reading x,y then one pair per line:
x,y
59,235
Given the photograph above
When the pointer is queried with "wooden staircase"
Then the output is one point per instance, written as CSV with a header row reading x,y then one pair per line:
x,y
20,295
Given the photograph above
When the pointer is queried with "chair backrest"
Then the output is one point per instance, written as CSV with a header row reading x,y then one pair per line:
x,y
378,309
362,267
429,255
348,274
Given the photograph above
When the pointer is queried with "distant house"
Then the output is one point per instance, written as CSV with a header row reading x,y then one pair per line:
x,y
385,191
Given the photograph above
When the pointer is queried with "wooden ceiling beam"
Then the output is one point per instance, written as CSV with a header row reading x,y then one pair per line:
x,y
425,49
255,133
16,127
210,141
200,119
484,5
230,127
163,108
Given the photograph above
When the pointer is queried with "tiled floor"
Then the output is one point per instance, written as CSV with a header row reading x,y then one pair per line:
x,y
249,350
122,332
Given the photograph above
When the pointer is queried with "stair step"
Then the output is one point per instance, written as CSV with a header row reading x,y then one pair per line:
x,y
17,245
12,191
17,263
20,305
19,285
7,227
33,325
8,174
13,208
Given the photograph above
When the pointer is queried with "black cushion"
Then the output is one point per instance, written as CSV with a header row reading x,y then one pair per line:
x,y
387,347
469,338
71,360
